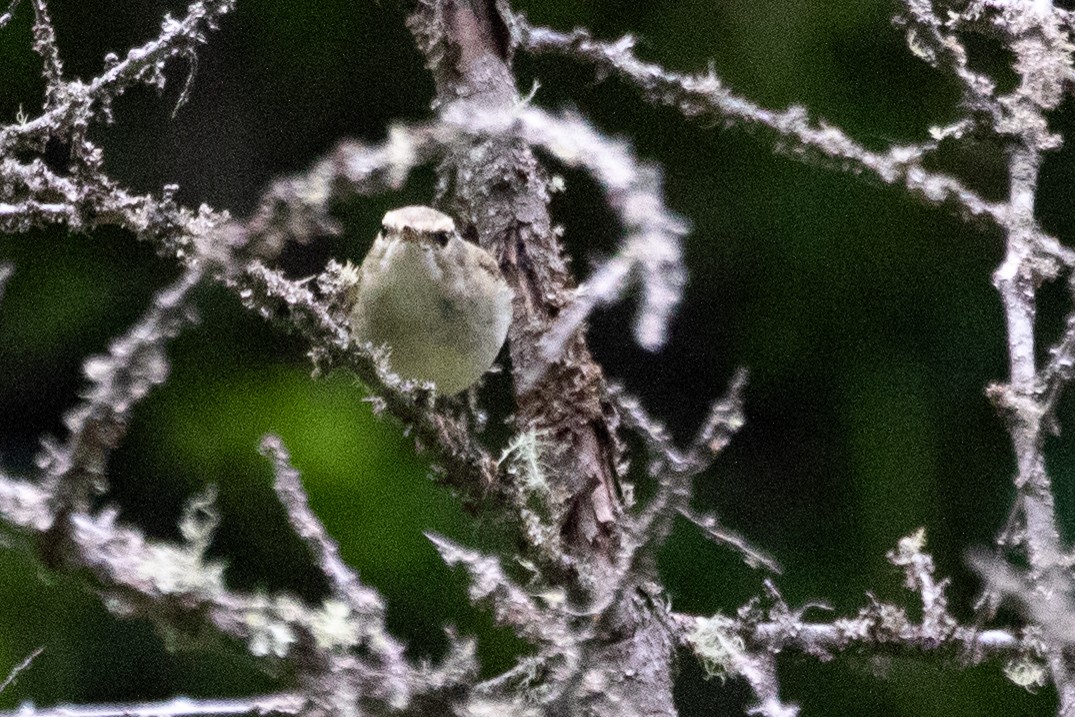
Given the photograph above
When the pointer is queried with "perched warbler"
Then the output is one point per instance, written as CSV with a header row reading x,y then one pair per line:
x,y
438,302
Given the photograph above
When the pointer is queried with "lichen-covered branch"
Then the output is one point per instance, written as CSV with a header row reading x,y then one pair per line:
x,y
283,705
512,606
141,577
346,586
502,199
675,470
342,649
135,363
1017,280
705,96
651,246
76,104
931,41
747,645
873,626
45,45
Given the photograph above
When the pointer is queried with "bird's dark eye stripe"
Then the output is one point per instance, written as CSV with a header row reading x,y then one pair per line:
x,y
441,238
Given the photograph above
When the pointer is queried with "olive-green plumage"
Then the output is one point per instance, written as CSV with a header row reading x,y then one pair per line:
x,y
438,302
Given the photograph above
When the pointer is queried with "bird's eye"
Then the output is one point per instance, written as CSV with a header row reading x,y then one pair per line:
x,y
384,229
441,238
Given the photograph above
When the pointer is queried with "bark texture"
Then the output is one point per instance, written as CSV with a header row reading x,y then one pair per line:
x,y
499,194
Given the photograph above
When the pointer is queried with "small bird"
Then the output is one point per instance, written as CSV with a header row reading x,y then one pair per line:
x,y
439,303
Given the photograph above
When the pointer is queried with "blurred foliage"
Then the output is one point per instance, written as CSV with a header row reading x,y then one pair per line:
x,y
867,320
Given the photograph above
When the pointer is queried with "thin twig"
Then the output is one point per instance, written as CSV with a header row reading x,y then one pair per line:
x,y
928,40
1055,613
675,469
19,668
288,486
1060,370
760,673
284,703
45,45
822,638
1038,54
5,273
136,362
634,190
705,96
712,529
142,64
512,606
9,13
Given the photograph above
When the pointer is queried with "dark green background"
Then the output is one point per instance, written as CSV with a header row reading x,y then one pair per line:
x,y
867,320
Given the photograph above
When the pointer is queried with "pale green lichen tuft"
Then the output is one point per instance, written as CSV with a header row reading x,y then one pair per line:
x,y
174,570
717,646
183,568
537,500
334,626
269,621
524,456
1026,672
913,544
200,519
